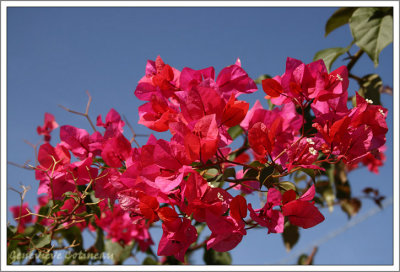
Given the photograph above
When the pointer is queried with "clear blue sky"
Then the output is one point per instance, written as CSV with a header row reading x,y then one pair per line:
x,y
55,54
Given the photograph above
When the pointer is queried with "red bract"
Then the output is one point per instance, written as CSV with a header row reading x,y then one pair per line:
x,y
234,80
226,234
299,211
21,211
49,125
260,140
76,140
238,208
116,150
160,79
177,236
157,114
114,125
234,112
306,82
267,216
202,142
119,227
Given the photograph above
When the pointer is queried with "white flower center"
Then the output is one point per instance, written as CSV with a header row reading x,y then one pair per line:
x,y
312,151
310,141
369,101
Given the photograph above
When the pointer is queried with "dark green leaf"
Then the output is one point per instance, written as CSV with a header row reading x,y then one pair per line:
x,y
235,131
99,244
339,18
41,241
329,55
150,261
229,173
371,85
290,236
11,230
265,177
213,257
251,173
261,78
372,30
71,234
302,259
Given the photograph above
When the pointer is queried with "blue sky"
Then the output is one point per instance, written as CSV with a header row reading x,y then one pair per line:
x,y
56,54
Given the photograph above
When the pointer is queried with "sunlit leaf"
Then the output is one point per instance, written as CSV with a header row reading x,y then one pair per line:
x,y
339,17
372,30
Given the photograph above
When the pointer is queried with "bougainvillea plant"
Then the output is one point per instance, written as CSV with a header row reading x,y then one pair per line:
x,y
105,183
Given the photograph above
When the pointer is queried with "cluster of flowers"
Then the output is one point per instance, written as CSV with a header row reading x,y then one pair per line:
x,y
164,180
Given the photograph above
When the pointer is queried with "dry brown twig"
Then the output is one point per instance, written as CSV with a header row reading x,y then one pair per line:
x,y
83,114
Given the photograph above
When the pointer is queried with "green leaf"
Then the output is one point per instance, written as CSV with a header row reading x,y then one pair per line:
x,y
350,206
309,172
213,257
99,244
372,30
235,131
371,85
339,17
229,172
11,230
329,55
303,258
71,234
41,241
118,252
150,261
251,173
261,78
290,236
286,185
265,175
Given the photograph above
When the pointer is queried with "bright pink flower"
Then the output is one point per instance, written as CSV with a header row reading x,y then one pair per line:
x,y
199,101
202,198
191,78
267,216
304,153
226,232
49,125
301,212
234,112
67,208
157,114
160,79
81,171
120,228
116,150
76,140
373,117
234,80
202,142
19,211
306,82
114,125
177,236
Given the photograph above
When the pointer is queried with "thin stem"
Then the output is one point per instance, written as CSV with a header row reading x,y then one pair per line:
x,y
133,139
82,114
354,59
